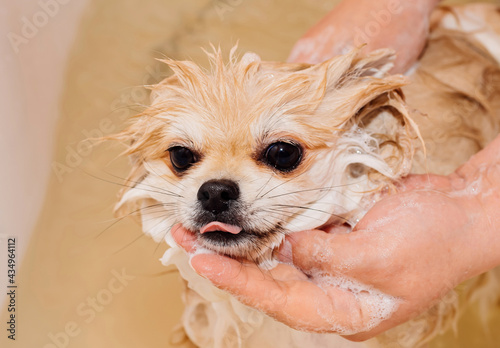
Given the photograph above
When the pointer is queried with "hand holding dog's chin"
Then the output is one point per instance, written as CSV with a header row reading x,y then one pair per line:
x,y
399,25
426,246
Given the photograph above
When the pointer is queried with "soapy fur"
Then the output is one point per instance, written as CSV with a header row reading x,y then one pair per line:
x,y
359,136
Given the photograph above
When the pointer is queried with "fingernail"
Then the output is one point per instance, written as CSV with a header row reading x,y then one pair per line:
x,y
285,252
184,238
191,257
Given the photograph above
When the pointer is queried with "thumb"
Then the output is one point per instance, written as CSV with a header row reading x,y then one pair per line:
x,y
316,249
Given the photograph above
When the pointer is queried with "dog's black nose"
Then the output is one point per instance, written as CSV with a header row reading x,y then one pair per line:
x,y
215,195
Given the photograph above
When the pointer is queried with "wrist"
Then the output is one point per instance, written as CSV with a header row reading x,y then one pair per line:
x,y
476,185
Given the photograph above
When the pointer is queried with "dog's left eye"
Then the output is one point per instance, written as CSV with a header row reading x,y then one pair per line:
x,y
283,156
181,158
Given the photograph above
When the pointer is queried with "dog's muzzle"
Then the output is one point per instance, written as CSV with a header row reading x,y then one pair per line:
x,y
219,216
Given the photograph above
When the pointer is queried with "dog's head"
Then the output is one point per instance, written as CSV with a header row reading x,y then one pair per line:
x,y
249,151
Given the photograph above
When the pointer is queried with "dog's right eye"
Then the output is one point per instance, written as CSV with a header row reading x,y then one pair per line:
x,y
181,158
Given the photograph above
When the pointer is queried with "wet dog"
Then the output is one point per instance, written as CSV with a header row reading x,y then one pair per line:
x,y
250,151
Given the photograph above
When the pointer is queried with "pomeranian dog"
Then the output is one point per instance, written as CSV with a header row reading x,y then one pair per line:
x,y
251,151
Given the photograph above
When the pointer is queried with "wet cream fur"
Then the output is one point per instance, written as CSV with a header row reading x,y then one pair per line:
x,y
360,129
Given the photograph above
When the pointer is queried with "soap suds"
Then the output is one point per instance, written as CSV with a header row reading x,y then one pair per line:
x,y
375,305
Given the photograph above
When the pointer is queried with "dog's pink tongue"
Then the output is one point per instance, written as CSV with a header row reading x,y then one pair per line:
x,y
219,226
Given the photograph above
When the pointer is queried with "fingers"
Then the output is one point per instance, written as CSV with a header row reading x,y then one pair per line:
x,y
187,241
184,238
284,294
318,250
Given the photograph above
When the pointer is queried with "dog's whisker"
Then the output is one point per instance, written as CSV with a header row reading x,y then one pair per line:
x,y
285,217
263,186
312,209
129,244
291,215
128,215
115,220
167,231
136,183
325,191
279,185
326,188
161,192
146,165
143,235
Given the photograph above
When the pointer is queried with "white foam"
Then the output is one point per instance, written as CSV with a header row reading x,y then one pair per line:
x,y
375,305
476,187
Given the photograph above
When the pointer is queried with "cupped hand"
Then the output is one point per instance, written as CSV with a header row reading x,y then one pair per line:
x,y
400,25
408,251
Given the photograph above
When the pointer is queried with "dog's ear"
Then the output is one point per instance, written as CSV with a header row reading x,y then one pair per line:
x,y
141,132
379,140
377,134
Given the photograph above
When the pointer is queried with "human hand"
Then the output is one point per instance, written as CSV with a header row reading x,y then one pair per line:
x,y
409,258
397,24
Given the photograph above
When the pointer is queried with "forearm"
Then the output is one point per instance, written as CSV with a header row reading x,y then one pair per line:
x,y
401,25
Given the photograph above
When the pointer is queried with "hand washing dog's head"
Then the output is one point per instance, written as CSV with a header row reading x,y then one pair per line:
x,y
250,151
